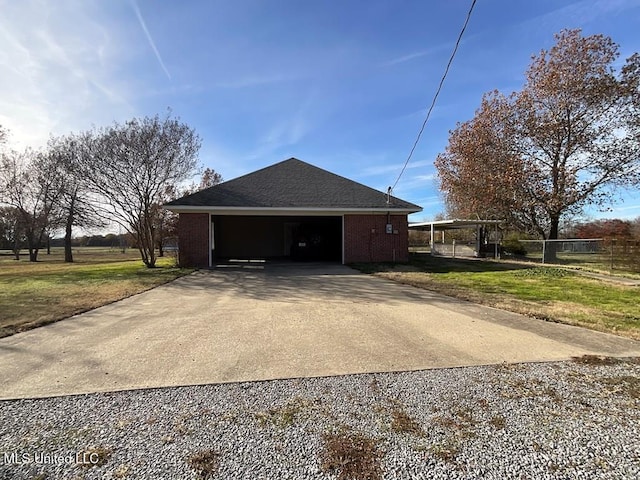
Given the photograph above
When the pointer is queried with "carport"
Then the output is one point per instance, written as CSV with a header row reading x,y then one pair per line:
x,y
295,237
291,210
451,249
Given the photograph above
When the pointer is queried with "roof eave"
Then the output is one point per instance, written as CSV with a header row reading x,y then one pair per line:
x,y
287,210
453,224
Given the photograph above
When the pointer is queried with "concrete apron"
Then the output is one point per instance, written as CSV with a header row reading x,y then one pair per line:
x,y
260,324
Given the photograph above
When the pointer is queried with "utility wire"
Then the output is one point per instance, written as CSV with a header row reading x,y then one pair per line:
x,y
435,97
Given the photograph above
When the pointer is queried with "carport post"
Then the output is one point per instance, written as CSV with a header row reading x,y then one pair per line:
x,y
431,244
343,239
210,241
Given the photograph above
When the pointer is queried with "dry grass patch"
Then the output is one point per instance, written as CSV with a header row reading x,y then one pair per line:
x,y
498,422
401,422
460,422
43,292
285,415
596,360
446,451
627,386
352,456
205,463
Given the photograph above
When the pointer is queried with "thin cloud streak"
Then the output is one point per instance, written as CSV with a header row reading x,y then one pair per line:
x,y
578,13
411,56
255,81
149,37
382,169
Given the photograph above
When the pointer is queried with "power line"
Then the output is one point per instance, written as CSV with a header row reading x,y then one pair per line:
x,y
435,97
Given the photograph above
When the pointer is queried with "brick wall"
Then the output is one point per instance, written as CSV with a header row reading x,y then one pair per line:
x,y
193,240
366,240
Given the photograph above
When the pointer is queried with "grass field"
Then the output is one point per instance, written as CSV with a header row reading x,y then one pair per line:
x,y
33,294
550,293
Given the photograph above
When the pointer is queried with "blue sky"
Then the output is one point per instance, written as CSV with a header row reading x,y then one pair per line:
x,y
342,84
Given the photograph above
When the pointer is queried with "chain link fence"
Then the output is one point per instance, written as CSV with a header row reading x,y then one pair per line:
x,y
620,255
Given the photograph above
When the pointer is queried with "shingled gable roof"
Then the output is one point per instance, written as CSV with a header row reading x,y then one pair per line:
x,y
291,184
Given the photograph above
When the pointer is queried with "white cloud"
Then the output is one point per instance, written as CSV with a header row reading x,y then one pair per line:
x,y
152,44
56,70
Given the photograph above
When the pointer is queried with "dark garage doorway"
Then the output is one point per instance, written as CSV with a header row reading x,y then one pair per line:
x,y
298,238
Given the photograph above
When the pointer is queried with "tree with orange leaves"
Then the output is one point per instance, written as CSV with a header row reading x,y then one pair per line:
x,y
567,140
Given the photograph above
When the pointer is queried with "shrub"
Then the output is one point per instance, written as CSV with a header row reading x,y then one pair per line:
x,y
513,246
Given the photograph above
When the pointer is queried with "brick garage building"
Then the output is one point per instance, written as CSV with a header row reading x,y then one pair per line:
x,y
291,210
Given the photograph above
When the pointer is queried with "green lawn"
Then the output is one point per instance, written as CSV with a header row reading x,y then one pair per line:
x,y
34,294
545,292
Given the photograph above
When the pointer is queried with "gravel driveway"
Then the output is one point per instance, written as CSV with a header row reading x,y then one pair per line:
x,y
561,420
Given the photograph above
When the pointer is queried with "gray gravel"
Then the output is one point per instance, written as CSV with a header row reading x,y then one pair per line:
x,y
552,420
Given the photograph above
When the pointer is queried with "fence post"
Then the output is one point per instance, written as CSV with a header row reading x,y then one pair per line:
x,y
611,264
544,244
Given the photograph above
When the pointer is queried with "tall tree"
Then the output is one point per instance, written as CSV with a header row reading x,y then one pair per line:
x,y
128,166
565,141
11,230
481,173
76,207
31,185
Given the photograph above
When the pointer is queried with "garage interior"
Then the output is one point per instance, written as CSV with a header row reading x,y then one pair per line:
x,y
296,238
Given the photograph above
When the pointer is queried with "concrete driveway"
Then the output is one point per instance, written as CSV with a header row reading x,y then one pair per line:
x,y
278,322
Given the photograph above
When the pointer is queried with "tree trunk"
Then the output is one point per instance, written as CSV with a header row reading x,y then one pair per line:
x,y
551,247
32,247
68,253
48,245
149,241
16,248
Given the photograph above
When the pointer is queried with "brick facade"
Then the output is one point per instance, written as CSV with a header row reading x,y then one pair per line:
x,y
366,240
193,240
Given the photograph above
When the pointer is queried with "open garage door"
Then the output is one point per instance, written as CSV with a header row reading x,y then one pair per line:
x,y
302,238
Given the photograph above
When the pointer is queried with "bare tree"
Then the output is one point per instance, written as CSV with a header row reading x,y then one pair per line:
x,y
11,230
567,140
31,185
76,206
128,166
